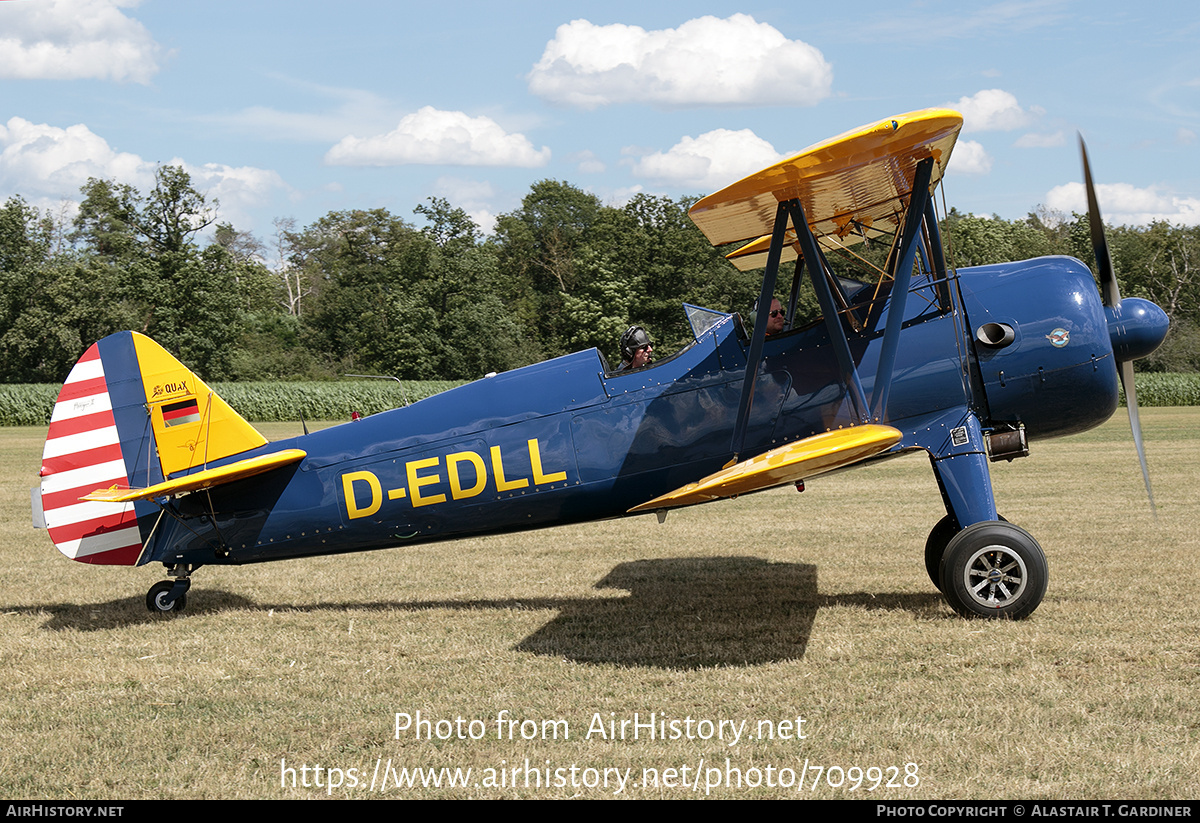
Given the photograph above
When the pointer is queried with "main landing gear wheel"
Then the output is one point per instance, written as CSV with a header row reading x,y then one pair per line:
x,y
156,598
994,569
935,546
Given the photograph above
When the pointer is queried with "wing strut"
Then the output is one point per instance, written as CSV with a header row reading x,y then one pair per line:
x,y
833,323
934,241
918,209
760,330
902,278
794,296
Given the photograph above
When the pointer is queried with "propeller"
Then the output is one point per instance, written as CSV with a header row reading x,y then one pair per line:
x,y
1137,327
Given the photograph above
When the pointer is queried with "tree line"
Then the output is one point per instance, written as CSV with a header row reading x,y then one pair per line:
x,y
368,292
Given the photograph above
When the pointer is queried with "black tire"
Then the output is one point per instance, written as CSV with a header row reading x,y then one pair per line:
x,y
994,569
935,546
158,594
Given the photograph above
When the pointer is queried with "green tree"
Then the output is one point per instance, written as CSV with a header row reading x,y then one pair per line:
x,y
1161,262
24,253
144,249
478,334
536,247
52,305
979,241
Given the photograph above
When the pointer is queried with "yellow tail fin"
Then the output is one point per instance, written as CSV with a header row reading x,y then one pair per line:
x,y
191,424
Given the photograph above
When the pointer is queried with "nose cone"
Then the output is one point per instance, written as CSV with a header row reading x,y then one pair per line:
x,y
1137,327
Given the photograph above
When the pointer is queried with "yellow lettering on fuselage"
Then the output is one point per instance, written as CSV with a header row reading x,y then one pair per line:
x,y
535,460
426,472
456,489
503,485
415,483
352,508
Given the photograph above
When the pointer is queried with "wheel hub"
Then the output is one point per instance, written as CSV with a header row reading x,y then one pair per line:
x,y
995,576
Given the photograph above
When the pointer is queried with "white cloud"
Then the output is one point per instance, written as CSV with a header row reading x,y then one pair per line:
x,y
433,137
238,189
1126,205
475,197
588,163
43,160
71,39
711,161
1032,140
47,164
706,61
620,196
348,110
1185,137
969,157
993,110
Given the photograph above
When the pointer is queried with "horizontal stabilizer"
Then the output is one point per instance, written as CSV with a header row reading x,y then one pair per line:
x,y
786,464
200,480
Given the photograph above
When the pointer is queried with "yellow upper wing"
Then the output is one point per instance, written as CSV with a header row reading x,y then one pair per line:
x,y
854,184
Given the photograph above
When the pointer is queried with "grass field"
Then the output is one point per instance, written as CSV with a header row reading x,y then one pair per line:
x,y
764,611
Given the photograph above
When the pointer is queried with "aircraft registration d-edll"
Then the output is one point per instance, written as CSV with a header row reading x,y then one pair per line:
x,y
145,464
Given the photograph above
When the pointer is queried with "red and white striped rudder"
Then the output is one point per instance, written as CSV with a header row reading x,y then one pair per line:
x,y
83,453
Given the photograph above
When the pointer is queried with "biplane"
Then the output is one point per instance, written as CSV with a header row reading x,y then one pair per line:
x,y
144,464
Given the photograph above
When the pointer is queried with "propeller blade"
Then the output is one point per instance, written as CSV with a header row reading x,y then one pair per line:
x,y
1111,296
1125,369
1104,266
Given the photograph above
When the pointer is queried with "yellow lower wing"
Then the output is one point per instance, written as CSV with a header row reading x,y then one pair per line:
x,y
785,464
201,480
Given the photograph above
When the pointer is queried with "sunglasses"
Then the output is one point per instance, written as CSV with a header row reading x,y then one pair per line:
x,y
779,313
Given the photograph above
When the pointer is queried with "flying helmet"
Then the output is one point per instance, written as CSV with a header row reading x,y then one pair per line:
x,y
633,339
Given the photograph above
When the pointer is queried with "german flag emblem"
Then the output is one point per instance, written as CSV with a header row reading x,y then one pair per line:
x,y
185,411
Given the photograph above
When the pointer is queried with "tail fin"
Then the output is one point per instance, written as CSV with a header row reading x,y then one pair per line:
x,y
130,415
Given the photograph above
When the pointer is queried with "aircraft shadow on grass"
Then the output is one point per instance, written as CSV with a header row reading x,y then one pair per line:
x,y
681,613
691,613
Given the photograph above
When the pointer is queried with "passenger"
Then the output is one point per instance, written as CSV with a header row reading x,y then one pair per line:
x,y
636,349
776,318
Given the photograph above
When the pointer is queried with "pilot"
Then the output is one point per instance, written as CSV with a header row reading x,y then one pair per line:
x,y
775,318
636,349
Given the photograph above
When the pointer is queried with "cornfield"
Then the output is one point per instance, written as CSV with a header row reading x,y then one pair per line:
x,y
31,404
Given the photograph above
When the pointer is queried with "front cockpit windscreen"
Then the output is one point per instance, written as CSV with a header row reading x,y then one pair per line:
x,y
701,319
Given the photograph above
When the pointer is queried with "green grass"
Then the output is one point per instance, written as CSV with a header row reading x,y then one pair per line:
x,y
767,608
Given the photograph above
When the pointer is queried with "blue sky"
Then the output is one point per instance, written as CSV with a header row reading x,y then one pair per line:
x,y
290,108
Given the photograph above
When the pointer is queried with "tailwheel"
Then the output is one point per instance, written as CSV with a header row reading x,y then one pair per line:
x,y
159,600
994,569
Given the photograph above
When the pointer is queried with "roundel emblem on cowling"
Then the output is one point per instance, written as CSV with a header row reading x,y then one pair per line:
x,y
1059,338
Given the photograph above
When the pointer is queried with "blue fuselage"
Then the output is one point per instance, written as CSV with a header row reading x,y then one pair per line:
x,y
565,441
